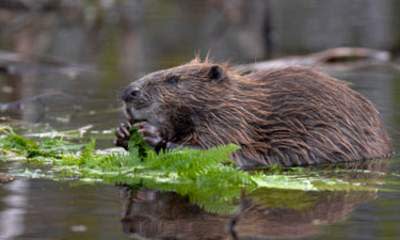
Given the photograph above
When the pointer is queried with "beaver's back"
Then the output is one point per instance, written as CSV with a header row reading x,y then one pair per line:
x,y
315,119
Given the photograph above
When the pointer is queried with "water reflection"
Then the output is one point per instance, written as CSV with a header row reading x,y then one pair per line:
x,y
13,209
262,214
169,216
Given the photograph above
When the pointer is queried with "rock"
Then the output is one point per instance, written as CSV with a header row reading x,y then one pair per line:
x,y
4,178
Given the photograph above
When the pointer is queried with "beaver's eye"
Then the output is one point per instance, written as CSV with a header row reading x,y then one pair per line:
x,y
173,79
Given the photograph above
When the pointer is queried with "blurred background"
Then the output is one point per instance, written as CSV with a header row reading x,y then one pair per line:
x,y
63,64
78,53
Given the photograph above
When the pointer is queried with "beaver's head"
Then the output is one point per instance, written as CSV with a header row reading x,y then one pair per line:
x,y
176,99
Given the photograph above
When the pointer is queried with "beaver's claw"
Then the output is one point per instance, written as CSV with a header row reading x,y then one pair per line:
x,y
123,134
151,135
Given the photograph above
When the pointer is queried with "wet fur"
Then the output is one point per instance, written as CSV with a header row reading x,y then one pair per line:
x,y
291,116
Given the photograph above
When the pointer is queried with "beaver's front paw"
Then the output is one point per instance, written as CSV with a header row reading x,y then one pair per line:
x,y
123,133
151,135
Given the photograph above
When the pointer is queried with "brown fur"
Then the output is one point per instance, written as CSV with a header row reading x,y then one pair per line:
x,y
291,116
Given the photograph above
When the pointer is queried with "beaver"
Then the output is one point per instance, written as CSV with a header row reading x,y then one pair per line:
x,y
289,116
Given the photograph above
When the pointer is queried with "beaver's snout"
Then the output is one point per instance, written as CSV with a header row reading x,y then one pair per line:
x,y
131,94
138,104
135,97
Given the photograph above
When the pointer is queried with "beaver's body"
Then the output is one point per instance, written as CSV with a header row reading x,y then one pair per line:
x,y
291,116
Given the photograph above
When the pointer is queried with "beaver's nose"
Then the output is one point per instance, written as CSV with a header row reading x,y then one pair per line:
x,y
130,94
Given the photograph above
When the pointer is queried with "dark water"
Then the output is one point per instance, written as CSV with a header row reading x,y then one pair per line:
x,y
70,67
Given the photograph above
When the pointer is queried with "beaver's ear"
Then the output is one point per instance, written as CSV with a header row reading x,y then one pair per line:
x,y
216,73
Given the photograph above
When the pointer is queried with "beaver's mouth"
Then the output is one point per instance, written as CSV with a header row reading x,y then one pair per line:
x,y
136,113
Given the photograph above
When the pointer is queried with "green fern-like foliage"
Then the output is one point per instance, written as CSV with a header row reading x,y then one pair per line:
x,y
208,178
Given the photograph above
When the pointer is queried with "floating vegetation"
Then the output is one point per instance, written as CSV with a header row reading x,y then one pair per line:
x,y
208,178
75,133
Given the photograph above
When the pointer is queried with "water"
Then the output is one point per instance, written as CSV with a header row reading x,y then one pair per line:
x,y
77,62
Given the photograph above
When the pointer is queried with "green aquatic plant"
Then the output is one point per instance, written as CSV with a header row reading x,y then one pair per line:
x,y
208,178
48,147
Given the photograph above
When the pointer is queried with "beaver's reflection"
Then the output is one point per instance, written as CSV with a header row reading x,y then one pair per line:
x,y
263,214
